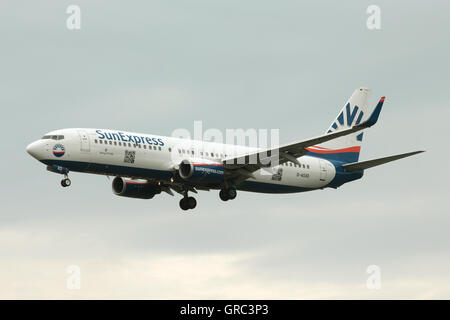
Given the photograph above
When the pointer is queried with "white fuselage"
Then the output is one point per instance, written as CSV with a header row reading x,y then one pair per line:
x,y
156,158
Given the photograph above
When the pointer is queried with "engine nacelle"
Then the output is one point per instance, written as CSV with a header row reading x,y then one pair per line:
x,y
134,189
201,171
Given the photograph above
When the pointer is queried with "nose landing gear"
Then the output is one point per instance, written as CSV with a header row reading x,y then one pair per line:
x,y
66,181
61,170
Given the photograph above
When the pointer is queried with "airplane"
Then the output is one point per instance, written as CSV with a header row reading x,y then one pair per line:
x,y
145,165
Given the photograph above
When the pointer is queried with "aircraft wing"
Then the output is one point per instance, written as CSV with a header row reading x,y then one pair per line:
x,y
290,152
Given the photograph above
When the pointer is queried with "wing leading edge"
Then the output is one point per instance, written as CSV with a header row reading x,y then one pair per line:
x,y
292,151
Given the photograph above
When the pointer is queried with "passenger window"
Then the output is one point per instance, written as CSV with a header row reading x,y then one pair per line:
x,y
95,141
184,151
140,146
120,143
170,149
303,166
191,152
101,141
115,143
179,151
110,142
307,166
159,148
154,147
129,144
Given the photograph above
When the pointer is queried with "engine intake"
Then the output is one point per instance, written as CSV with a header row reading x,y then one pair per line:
x,y
201,171
134,189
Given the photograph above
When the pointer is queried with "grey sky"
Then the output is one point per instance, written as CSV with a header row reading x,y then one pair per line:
x,y
154,66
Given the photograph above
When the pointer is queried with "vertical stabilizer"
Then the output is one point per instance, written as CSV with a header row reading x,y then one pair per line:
x,y
345,148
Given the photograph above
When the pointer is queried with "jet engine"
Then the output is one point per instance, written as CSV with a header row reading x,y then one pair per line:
x,y
201,170
134,188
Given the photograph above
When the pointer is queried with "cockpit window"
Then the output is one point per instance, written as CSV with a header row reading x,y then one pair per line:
x,y
60,137
46,137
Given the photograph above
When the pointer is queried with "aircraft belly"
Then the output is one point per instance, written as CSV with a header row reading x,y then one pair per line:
x,y
293,178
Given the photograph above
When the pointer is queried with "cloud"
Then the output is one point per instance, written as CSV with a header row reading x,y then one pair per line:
x,y
154,67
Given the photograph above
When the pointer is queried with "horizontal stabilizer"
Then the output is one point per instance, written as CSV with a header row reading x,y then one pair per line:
x,y
357,166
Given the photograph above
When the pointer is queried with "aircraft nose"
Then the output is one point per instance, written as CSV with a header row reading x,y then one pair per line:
x,y
33,149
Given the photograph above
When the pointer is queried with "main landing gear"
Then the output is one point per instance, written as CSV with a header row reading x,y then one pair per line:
x,y
226,194
66,181
187,203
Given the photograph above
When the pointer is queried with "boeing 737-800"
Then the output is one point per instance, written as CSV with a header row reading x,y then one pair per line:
x,y
145,165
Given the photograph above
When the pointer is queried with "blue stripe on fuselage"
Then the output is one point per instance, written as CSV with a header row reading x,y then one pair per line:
x,y
98,168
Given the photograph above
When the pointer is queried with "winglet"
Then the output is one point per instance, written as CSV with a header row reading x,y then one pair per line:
x,y
374,116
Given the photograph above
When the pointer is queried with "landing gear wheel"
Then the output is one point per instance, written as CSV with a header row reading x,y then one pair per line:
x,y
188,203
227,194
231,193
184,205
223,195
65,182
192,203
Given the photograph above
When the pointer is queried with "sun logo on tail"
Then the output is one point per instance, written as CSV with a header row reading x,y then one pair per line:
x,y
347,120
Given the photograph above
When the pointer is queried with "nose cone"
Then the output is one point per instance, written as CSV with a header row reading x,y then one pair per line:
x,y
33,149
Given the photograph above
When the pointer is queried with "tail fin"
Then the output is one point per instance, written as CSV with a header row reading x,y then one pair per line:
x,y
346,148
